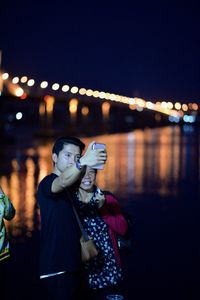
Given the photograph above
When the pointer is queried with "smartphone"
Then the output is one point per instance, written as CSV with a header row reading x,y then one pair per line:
x,y
99,146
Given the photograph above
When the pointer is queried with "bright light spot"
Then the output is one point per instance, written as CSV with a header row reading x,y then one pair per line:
x,y
19,92
85,110
169,105
73,104
82,91
89,92
177,105
15,80
158,103
189,119
184,107
175,119
102,95
24,79
164,104
19,116
55,86
119,98
139,108
44,84
96,94
131,101
23,97
74,90
140,102
42,109
31,82
5,76
105,109
65,88
113,97
195,106
149,105
132,106
107,96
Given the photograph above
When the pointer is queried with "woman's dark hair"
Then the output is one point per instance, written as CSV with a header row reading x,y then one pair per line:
x,y
60,142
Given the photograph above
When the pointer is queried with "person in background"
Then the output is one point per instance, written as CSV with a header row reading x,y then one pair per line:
x,y
102,219
60,254
7,212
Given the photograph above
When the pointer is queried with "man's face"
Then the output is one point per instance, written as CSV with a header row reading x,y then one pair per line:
x,y
66,157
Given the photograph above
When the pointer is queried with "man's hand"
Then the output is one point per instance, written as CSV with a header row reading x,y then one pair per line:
x,y
93,157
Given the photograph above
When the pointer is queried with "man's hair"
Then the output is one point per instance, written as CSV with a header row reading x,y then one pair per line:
x,y
60,142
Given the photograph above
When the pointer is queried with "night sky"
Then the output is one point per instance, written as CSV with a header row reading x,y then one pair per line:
x,y
135,48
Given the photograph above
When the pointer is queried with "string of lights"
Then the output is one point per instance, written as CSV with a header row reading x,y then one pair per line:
x,y
176,111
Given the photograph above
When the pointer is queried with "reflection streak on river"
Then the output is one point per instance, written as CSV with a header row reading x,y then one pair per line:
x,y
143,161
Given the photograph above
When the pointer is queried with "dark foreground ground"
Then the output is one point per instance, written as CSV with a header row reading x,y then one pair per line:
x,y
164,262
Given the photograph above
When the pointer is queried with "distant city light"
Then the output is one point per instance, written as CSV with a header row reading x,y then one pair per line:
x,y
44,84
177,105
132,101
73,104
189,119
65,88
96,94
150,105
194,106
102,95
55,86
139,108
5,76
89,92
82,91
177,111
31,82
164,104
15,80
19,92
74,90
19,116
174,119
184,107
24,79
85,110
169,105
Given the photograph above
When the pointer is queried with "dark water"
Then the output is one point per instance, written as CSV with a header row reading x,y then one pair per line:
x,y
155,174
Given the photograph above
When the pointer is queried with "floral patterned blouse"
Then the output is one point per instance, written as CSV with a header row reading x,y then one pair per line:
x,y
101,271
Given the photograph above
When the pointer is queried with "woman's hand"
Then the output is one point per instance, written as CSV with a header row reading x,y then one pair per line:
x,y
100,198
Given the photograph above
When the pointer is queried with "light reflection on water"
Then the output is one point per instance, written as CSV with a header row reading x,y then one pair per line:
x,y
143,161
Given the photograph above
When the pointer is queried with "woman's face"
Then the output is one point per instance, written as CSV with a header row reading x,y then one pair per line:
x,y
88,180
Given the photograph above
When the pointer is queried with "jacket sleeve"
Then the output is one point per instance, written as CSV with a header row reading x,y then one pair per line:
x,y
112,215
9,211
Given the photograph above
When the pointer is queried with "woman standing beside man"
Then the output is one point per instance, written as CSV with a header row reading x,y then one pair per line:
x,y
102,219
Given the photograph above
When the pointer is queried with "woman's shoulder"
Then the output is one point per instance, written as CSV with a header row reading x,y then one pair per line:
x,y
110,197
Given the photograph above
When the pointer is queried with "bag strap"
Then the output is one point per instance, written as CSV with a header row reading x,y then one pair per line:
x,y
84,233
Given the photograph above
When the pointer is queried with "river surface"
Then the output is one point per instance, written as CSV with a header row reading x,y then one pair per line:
x,y
155,173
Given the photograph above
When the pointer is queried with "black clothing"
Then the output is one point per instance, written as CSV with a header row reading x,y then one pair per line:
x,y
66,286
60,234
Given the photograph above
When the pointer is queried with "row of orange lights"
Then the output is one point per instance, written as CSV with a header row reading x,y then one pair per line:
x,y
169,108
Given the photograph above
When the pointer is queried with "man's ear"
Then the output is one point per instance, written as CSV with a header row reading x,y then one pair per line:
x,y
55,158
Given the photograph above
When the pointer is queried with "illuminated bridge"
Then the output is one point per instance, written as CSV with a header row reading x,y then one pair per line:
x,y
45,109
